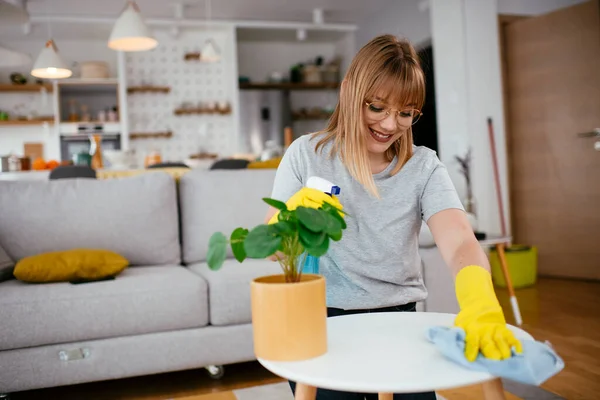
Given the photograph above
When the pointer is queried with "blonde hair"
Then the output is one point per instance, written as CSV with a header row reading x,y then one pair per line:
x,y
386,65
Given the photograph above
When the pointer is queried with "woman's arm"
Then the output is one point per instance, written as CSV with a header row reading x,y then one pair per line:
x,y
456,241
270,212
480,314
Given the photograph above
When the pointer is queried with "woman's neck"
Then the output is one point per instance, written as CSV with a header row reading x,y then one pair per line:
x,y
378,161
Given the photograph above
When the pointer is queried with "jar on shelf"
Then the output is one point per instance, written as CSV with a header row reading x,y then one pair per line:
x,y
311,74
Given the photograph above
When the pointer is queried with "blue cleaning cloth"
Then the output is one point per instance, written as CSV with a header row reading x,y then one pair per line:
x,y
535,365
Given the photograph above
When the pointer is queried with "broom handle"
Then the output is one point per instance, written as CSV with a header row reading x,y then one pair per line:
x,y
496,176
500,247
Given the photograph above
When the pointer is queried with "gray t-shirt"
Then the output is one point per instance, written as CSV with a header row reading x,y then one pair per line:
x,y
377,262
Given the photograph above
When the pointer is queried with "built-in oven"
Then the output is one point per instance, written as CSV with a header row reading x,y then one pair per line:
x,y
75,138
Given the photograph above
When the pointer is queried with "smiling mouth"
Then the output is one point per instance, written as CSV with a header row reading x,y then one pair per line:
x,y
380,137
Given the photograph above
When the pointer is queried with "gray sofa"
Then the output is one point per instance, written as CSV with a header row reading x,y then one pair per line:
x,y
165,312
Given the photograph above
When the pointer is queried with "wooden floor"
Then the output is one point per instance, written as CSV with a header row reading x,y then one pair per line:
x,y
566,313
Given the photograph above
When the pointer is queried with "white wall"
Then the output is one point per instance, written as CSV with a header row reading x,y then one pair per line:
x,y
258,60
405,18
468,92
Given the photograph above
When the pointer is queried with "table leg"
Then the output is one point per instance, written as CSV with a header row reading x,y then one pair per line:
x,y
386,396
509,285
493,390
305,392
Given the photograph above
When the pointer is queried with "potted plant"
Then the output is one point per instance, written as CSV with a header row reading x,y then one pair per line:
x,y
288,310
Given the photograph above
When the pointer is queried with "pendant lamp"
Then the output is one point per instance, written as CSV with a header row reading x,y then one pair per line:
x,y
49,64
130,33
210,52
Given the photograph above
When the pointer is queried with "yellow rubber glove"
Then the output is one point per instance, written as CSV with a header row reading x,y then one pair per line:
x,y
481,316
308,197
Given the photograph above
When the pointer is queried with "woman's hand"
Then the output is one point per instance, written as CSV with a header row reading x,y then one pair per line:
x,y
480,313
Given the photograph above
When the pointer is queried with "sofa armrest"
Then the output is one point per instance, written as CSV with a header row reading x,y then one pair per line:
x,y
438,281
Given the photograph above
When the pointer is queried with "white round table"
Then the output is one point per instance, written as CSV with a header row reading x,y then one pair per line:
x,y
384,353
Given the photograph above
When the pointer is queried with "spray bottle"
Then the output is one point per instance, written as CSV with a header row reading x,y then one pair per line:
x,y
311,264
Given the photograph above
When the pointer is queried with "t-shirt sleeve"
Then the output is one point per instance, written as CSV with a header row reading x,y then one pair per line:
x,y
289,176
439,193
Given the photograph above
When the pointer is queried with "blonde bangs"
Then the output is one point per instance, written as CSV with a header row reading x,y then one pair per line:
x,y
388,67
399,86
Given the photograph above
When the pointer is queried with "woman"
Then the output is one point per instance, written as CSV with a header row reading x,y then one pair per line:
x,y
389,186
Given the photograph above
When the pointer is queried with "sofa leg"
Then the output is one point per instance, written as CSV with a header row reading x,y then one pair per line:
x,y
4,396
214,371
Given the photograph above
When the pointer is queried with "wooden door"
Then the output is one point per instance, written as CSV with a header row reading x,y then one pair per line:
x,y
553,85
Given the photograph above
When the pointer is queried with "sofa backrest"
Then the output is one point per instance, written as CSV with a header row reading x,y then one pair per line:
x,y
220,200
135,217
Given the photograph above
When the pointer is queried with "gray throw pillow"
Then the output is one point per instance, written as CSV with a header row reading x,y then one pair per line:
x,y
6,266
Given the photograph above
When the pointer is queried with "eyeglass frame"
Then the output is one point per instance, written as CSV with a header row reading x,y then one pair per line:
x,y
387,111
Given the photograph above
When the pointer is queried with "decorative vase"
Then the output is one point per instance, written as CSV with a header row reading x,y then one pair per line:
x,y
289,319
96,151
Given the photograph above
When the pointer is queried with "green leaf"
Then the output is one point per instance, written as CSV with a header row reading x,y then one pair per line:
x,y
332,224
333,212
275,203
282,228
287,215
309,238
318,251
311,218
237,243
261,242
329,208
217,251
336,236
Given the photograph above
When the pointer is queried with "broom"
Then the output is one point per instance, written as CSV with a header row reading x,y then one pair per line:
x,y
500,246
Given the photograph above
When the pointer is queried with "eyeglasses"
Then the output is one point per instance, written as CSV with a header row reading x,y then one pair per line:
x,y
378,111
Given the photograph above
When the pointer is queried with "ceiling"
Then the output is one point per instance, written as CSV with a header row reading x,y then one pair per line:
x,y
335,11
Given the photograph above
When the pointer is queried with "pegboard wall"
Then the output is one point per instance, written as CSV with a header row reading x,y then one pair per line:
x,y
192,83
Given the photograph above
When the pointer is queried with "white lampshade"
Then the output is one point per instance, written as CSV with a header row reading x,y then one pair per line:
x,y
209,52
12,58
130,33
49,64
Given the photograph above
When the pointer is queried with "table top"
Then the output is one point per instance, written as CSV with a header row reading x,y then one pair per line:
x,y
382,352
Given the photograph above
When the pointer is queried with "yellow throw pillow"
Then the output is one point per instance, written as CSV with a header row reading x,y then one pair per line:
x,y
269,164
70,265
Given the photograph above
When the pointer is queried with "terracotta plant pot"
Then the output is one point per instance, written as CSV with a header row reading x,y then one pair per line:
x,y
289,319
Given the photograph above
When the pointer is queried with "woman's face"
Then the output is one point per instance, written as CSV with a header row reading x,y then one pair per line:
x,y
385,124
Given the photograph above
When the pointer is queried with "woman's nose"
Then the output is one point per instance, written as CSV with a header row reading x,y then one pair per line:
x,y
389,123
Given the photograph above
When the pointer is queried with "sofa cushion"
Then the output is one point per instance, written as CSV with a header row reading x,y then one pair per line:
x,y
220,200
229,288
6,266
140,300
135,217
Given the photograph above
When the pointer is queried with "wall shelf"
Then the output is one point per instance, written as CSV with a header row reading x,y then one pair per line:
x,y
25,122
9,87
150,135
148,89
288,86
190,111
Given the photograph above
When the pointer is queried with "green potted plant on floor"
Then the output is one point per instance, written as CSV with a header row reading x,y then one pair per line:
x,y
288,310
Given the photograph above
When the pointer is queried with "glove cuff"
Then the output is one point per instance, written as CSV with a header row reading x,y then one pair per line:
x,y
474,285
